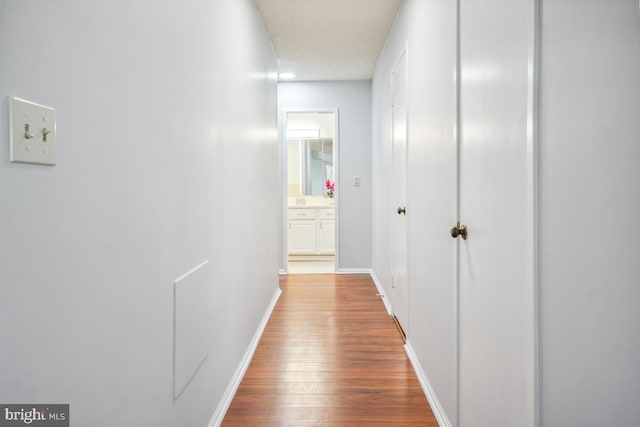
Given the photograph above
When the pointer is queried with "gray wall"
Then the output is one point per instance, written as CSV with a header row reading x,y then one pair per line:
x,y
353,100
589,203
167,143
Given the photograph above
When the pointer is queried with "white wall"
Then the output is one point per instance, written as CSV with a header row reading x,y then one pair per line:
x,y
428,29
159,107
353,101
589,203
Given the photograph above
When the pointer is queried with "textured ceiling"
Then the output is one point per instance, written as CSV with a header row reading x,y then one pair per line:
x,y
328,39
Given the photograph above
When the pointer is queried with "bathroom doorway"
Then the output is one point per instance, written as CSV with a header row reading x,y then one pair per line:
x,y
310,145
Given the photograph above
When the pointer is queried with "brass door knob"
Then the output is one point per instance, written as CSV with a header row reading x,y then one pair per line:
x,y
402,210
459,230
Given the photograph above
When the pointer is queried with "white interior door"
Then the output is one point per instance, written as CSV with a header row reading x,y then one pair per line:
x,y
399,190
496,351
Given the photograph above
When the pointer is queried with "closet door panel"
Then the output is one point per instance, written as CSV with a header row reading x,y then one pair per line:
x,y
495,290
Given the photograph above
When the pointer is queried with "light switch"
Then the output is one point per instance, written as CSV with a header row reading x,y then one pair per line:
x,y
32,129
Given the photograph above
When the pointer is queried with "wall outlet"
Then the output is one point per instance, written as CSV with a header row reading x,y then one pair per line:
x,y
32,129
356,181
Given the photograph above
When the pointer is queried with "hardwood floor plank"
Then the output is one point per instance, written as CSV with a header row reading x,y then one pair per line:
x,y
330,356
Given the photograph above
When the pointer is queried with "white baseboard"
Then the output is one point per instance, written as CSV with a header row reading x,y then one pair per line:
x,y
232,388
385,300
353,271
437,409
282,272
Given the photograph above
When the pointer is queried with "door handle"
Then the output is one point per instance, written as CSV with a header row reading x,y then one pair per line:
x,y
459,230
402,210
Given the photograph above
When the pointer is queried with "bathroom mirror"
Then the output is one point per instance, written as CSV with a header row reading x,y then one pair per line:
x,y
310,145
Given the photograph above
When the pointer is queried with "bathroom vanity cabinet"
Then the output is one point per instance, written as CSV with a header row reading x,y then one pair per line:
x,y
311,231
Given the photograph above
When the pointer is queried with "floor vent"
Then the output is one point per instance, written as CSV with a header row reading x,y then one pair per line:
x,y
402,334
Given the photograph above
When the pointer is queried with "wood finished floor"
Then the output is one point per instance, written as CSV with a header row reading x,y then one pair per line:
x,y
330,356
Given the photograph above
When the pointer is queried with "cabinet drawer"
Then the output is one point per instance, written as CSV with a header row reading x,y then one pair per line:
x,y
326,213
302,213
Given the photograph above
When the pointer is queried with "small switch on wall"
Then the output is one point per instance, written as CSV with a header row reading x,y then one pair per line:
x,y
32,129
356,181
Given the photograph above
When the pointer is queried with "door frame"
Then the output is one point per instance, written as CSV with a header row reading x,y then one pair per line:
x,y
284,258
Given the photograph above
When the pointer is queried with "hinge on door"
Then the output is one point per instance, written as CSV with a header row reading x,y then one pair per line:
x,y
393,282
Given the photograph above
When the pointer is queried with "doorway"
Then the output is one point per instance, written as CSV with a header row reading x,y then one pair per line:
x,y
310,146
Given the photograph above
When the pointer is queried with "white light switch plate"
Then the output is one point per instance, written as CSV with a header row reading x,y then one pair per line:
x,y
32,129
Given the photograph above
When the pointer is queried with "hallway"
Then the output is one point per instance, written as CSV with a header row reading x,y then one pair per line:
x,y
330,356
143,226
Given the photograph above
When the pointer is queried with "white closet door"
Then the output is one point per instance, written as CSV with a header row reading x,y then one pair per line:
x,y
496,386
399,191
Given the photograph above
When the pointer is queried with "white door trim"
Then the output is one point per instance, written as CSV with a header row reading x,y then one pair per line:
x,y
532,209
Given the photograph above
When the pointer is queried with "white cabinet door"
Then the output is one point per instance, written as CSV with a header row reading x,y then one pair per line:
x,y
302,237
326,236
